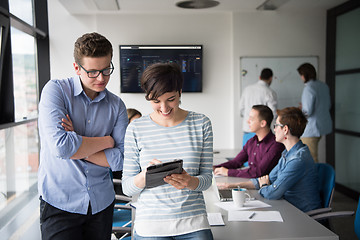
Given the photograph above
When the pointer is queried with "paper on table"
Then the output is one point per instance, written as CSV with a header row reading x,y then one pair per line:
x,y
215,219
230,206
260,216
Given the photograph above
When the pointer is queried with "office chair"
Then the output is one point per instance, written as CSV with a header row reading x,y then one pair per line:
x,y
326,216
122,218
357,220
246,137
326,186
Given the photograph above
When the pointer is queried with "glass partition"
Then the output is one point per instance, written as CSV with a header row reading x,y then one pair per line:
x,y
343,77
347,105
347,162
347,40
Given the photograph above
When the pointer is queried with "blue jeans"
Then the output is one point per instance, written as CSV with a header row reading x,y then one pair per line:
x,y
198,235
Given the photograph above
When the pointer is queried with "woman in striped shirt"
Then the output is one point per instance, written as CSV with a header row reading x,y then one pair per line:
x,y
175,210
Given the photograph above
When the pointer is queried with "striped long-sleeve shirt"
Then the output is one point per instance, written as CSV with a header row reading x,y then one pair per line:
x,y
164,210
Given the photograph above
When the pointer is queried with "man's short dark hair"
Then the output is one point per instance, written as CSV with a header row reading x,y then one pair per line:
x,y
308,71
265,113
91,45
266,74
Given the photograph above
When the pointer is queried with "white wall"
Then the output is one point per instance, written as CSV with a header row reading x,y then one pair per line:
x,y
225,37
212,31
270,33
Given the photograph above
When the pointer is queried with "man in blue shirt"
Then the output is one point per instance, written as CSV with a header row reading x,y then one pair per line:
x,y
82,127
316,104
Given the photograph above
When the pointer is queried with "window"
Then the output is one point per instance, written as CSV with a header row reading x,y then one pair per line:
x,y
24,74
19,161
23,9
24,46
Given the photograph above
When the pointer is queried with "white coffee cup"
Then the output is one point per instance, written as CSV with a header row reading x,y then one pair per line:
x,y
239,196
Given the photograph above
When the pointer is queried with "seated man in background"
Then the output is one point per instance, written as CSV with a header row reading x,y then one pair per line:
x,y
295,177
256,94
261,151
133,114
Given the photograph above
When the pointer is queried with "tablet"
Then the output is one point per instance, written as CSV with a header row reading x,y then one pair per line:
x,y
155,174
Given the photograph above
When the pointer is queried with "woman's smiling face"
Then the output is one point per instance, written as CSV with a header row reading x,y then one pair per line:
x,y
166,106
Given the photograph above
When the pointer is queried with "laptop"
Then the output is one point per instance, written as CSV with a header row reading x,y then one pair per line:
x,y
225,195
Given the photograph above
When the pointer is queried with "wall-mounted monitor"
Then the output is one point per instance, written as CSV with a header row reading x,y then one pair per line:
x,y
135,58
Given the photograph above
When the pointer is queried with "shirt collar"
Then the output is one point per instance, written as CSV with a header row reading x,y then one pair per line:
x,y
263,83
77,86
310,81
78,89
294,149
267,138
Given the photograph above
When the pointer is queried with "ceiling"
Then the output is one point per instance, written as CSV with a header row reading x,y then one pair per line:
x,y
169,6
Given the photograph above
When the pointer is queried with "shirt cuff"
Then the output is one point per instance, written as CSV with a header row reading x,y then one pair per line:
x,y
204,184
111,157
255,182
233,173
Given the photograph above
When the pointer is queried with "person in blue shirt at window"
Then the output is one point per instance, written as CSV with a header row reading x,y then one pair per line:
x,y
316,104
295,177
82,128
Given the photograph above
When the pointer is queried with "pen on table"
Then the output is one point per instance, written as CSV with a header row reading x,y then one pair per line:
x,y
252,215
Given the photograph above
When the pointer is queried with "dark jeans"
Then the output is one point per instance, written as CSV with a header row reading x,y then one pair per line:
x,y
57,224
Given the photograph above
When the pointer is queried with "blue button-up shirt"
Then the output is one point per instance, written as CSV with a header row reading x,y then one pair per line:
x,y
70,184
316,105
294,178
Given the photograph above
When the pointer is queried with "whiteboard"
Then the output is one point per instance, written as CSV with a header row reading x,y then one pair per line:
x,y
286,80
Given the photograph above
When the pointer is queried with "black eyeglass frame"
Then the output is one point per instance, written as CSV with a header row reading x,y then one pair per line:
x,y
99,71
278,124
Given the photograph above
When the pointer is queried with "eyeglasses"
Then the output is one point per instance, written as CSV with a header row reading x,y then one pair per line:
x,y
278,124
96,73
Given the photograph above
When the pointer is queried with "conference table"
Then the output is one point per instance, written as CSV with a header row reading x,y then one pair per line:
x,y
296,224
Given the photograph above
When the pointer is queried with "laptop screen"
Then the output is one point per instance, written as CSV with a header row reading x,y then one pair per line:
x,y
223,194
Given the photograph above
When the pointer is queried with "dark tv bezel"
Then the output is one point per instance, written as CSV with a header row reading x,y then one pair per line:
x,y
165,45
